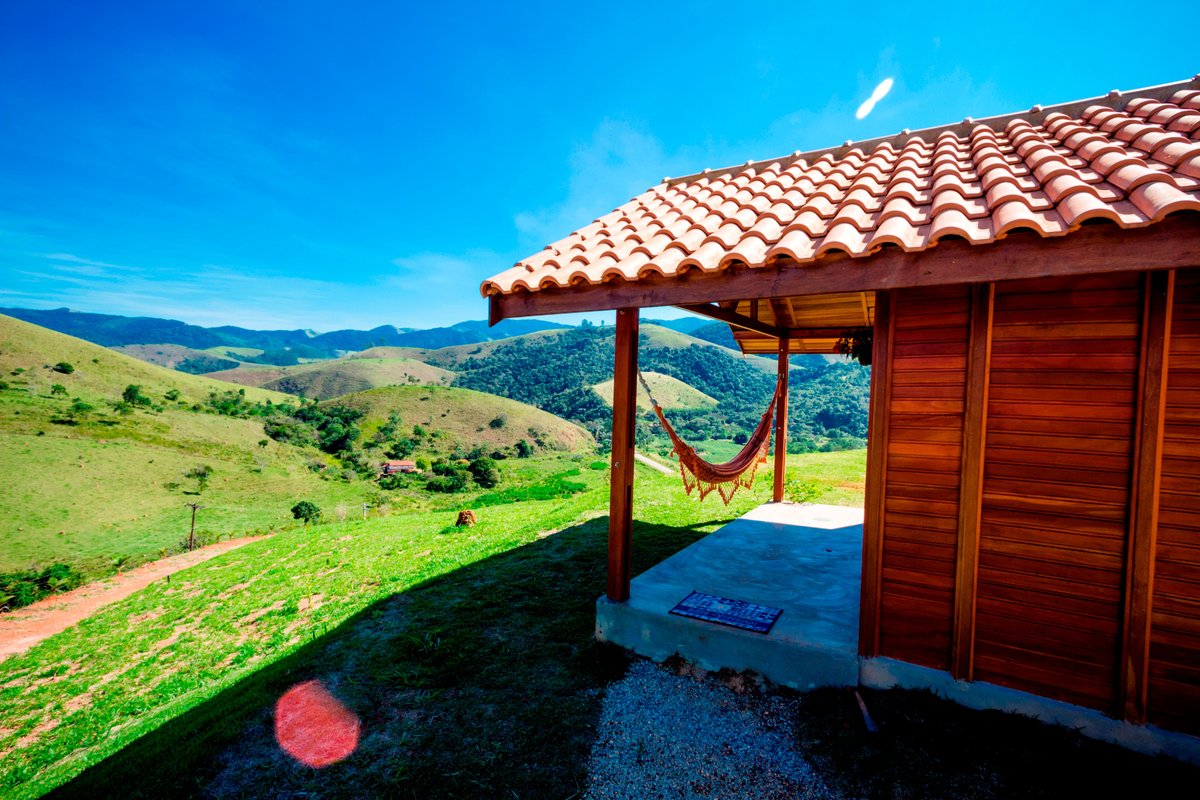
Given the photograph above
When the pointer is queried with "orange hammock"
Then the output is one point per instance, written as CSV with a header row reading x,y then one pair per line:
x,y
725,478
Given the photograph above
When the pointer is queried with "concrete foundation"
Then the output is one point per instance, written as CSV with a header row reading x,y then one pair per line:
x,y
804,559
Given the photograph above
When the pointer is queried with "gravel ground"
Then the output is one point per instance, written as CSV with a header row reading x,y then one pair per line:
x,y
666,735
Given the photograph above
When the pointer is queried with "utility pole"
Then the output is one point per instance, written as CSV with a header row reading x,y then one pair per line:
x,y
192,536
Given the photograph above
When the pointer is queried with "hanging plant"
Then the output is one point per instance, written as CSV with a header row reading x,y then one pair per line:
x,y
857,343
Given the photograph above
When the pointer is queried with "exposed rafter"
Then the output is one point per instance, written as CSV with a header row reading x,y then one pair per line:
x,y
713,311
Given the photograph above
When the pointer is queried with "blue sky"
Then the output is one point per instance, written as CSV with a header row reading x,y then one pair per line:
x,y
332,165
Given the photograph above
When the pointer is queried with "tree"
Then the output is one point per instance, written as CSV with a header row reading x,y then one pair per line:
x,y
200,473
307,511
524,449
485,472
133,395
58,390
172,395
64,367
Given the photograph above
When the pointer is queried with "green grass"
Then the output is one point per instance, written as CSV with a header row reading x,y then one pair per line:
x,y
112,485
668,391
178,648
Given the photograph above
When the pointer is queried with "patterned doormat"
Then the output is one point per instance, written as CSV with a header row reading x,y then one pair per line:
x,y
722,610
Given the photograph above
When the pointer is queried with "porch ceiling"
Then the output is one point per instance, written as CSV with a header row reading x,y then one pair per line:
x,y
1017,192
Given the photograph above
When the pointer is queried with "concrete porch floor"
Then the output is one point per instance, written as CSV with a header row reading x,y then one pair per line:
x,y
804,559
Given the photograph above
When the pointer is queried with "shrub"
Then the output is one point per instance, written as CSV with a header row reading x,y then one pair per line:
x,y
64,367
133,396
524,449
449,484
172,395
200,473
307,511
498,422
801,491
485,472
58,390
22,588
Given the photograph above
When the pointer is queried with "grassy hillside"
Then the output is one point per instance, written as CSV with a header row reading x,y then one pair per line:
x,y
463,416
325,379
489,611
96,485
98,371
669,392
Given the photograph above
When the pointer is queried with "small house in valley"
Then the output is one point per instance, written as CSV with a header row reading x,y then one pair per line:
x,y
396,466
1030,284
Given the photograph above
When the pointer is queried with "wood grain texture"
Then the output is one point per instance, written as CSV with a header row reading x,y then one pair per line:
x,y
923,473
781,422
1059,454
620,499
1157,307
970,501
1173,680
870,598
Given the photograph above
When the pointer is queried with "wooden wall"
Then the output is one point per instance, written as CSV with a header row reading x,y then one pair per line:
x,y
1174,684
1018,430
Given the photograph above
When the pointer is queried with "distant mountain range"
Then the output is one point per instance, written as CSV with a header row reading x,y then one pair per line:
x,y
111,330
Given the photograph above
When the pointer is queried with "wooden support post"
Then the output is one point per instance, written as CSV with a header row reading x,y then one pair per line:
x,y
781,420
1159,298
620,498
970,495
877,445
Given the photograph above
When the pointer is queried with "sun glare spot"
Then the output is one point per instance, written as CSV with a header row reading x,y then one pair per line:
x,y
313,727
880,92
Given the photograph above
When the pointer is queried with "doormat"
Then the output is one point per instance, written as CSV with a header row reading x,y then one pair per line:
x,y
722,610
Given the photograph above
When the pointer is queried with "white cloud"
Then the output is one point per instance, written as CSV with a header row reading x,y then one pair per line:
x,y
880,92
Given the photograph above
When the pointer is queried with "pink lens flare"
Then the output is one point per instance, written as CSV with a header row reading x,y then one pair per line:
x,y
313,727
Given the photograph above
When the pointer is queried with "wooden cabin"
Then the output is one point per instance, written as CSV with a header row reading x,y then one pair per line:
x,y
1033,285
394,466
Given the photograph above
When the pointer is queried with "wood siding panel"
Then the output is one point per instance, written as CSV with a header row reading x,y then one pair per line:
x,y
1058,456
923,474
1174,676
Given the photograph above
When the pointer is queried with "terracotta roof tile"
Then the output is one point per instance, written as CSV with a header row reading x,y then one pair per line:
x,y
1128,159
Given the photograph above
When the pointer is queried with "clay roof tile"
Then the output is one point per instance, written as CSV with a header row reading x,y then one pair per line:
x,y
1130,159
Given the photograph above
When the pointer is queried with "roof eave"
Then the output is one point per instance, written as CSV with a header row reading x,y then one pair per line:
x,y
1093,249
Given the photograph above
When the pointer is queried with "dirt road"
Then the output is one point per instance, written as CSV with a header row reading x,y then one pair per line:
x,y
25,627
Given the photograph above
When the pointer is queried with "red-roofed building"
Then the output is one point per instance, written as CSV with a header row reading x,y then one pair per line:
x,y
395,466
1032,286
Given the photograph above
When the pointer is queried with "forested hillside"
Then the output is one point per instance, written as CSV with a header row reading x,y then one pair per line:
x,y
556,373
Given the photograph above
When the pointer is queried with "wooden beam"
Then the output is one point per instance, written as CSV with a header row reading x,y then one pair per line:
x,y
783,314
1174,242
1157,305
620,497
970,496
781,421
713,311
877,446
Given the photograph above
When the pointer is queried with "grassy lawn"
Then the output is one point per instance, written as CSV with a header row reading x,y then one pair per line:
x,y
160,654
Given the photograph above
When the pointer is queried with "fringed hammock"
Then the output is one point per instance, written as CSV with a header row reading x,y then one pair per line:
x,y
726,478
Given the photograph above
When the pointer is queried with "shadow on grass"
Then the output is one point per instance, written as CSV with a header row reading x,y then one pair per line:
x,y
485,682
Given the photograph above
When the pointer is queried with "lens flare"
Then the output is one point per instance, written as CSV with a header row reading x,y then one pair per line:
x,y
313,727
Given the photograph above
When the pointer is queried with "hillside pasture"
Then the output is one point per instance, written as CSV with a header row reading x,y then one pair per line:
x,y
467,417
668,391
326,379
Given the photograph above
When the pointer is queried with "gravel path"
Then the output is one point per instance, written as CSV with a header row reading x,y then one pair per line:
x,y
663,735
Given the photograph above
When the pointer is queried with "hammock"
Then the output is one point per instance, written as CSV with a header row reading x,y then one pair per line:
x,y
725,478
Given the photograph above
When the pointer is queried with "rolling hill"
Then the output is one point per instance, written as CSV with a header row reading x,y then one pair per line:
x,y
669,392
325,379
463,416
